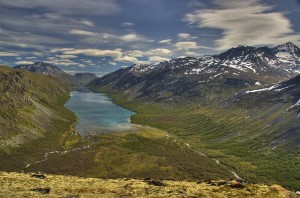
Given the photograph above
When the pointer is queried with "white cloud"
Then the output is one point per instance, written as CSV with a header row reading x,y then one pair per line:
x,y
112,63
127,24
159,51
30,57
113,39
157,59
189,53
186,45
61,50
186,48
135,53
246,22
81,65
130,37
152,52
24,62
9,54
133,37
49,16
65,56
87,61
87,23
83,33
153,56
109,36
96,52
64,62
126,58
166,41
185,36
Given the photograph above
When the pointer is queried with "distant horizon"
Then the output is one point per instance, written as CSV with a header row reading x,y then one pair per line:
x,y
100,74
105,35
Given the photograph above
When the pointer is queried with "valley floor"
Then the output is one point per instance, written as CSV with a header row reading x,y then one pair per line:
x,y
145,152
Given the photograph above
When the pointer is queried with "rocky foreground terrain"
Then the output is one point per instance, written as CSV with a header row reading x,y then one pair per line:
x,y
39,185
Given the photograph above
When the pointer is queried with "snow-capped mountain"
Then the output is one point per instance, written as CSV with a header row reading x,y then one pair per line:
x,y
207,76
41,67
289,57
288,47
282,60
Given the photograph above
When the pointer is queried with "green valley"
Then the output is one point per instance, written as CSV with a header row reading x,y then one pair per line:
x,y
238,138
46,128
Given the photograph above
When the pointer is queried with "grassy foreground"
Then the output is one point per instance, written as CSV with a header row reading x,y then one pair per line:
x,y
26,185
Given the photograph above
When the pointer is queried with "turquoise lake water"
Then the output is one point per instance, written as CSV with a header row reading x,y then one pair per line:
x,y
98,114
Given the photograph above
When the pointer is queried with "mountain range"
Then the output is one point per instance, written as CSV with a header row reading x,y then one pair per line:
x,y
208,77
54,71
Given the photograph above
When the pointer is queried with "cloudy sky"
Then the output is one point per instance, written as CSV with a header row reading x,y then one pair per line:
x,y
105,35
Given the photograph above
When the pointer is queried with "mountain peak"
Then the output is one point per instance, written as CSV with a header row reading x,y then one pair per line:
x,y
41,67
289,46
243,46
240,46
239,51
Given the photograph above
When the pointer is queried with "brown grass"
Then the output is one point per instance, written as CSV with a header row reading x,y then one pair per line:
x,y
20,185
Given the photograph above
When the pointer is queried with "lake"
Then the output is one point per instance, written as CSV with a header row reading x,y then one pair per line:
x,y
98,114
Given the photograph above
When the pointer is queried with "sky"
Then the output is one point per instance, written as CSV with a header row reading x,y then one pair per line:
x,y
101,36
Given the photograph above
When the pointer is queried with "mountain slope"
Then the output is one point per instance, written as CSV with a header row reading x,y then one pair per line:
x,y
203,79
29,105
85,78
277,104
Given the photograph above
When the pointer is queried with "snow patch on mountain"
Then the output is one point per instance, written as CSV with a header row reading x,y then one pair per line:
x,y
276,87
264,89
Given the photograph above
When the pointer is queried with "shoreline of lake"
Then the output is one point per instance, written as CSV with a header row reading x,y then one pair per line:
x,y
98,114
